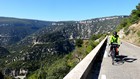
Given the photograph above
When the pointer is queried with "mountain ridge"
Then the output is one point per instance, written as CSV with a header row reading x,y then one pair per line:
x,y
17,29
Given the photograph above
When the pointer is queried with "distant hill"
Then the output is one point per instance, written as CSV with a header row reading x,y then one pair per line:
x,y
13,30
72,30
81,29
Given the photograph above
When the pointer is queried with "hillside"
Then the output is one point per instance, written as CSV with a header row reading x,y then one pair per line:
x,y
14,30
71,29
130,27
78,29
58,70
133,34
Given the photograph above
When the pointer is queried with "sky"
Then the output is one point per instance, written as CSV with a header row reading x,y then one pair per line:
x,y
64,10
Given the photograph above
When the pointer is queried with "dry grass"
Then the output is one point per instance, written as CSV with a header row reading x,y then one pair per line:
x,y
134,34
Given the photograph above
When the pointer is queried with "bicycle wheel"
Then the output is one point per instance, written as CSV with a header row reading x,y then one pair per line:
x,y
113,56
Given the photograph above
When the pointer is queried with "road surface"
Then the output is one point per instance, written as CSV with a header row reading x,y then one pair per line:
x,y
127,68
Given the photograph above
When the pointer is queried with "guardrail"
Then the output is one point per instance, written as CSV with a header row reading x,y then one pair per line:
x,y
82,69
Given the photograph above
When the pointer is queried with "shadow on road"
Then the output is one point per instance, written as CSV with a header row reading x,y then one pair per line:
x,y
130,60
121,59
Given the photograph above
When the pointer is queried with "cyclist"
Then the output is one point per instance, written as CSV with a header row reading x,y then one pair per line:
x,y
114,39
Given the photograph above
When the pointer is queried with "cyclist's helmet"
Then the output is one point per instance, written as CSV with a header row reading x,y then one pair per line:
x,y
115,33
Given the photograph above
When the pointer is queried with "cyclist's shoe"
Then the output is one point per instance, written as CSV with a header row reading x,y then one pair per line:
x,y
112,63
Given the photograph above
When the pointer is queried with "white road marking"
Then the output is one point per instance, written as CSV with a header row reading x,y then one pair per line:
x,y
103,77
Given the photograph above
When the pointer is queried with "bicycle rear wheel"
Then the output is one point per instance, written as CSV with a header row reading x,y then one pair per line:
x,y
113,56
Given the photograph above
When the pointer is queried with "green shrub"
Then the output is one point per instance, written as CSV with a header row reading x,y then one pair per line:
x,y
134,18
58,69
79,42
95,37
138,33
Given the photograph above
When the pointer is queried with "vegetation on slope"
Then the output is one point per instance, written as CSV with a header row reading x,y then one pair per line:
x,y
59,68
130,27
133,18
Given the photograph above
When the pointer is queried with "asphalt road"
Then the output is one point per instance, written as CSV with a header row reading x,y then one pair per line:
x,y
127,68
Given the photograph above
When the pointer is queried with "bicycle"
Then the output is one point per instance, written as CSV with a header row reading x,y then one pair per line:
x,y
113,52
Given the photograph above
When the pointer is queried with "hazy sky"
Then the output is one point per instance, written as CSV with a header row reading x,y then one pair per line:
x,y
56,10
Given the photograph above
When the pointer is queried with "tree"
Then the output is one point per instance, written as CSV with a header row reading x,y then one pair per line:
x,y
79,42
138,7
